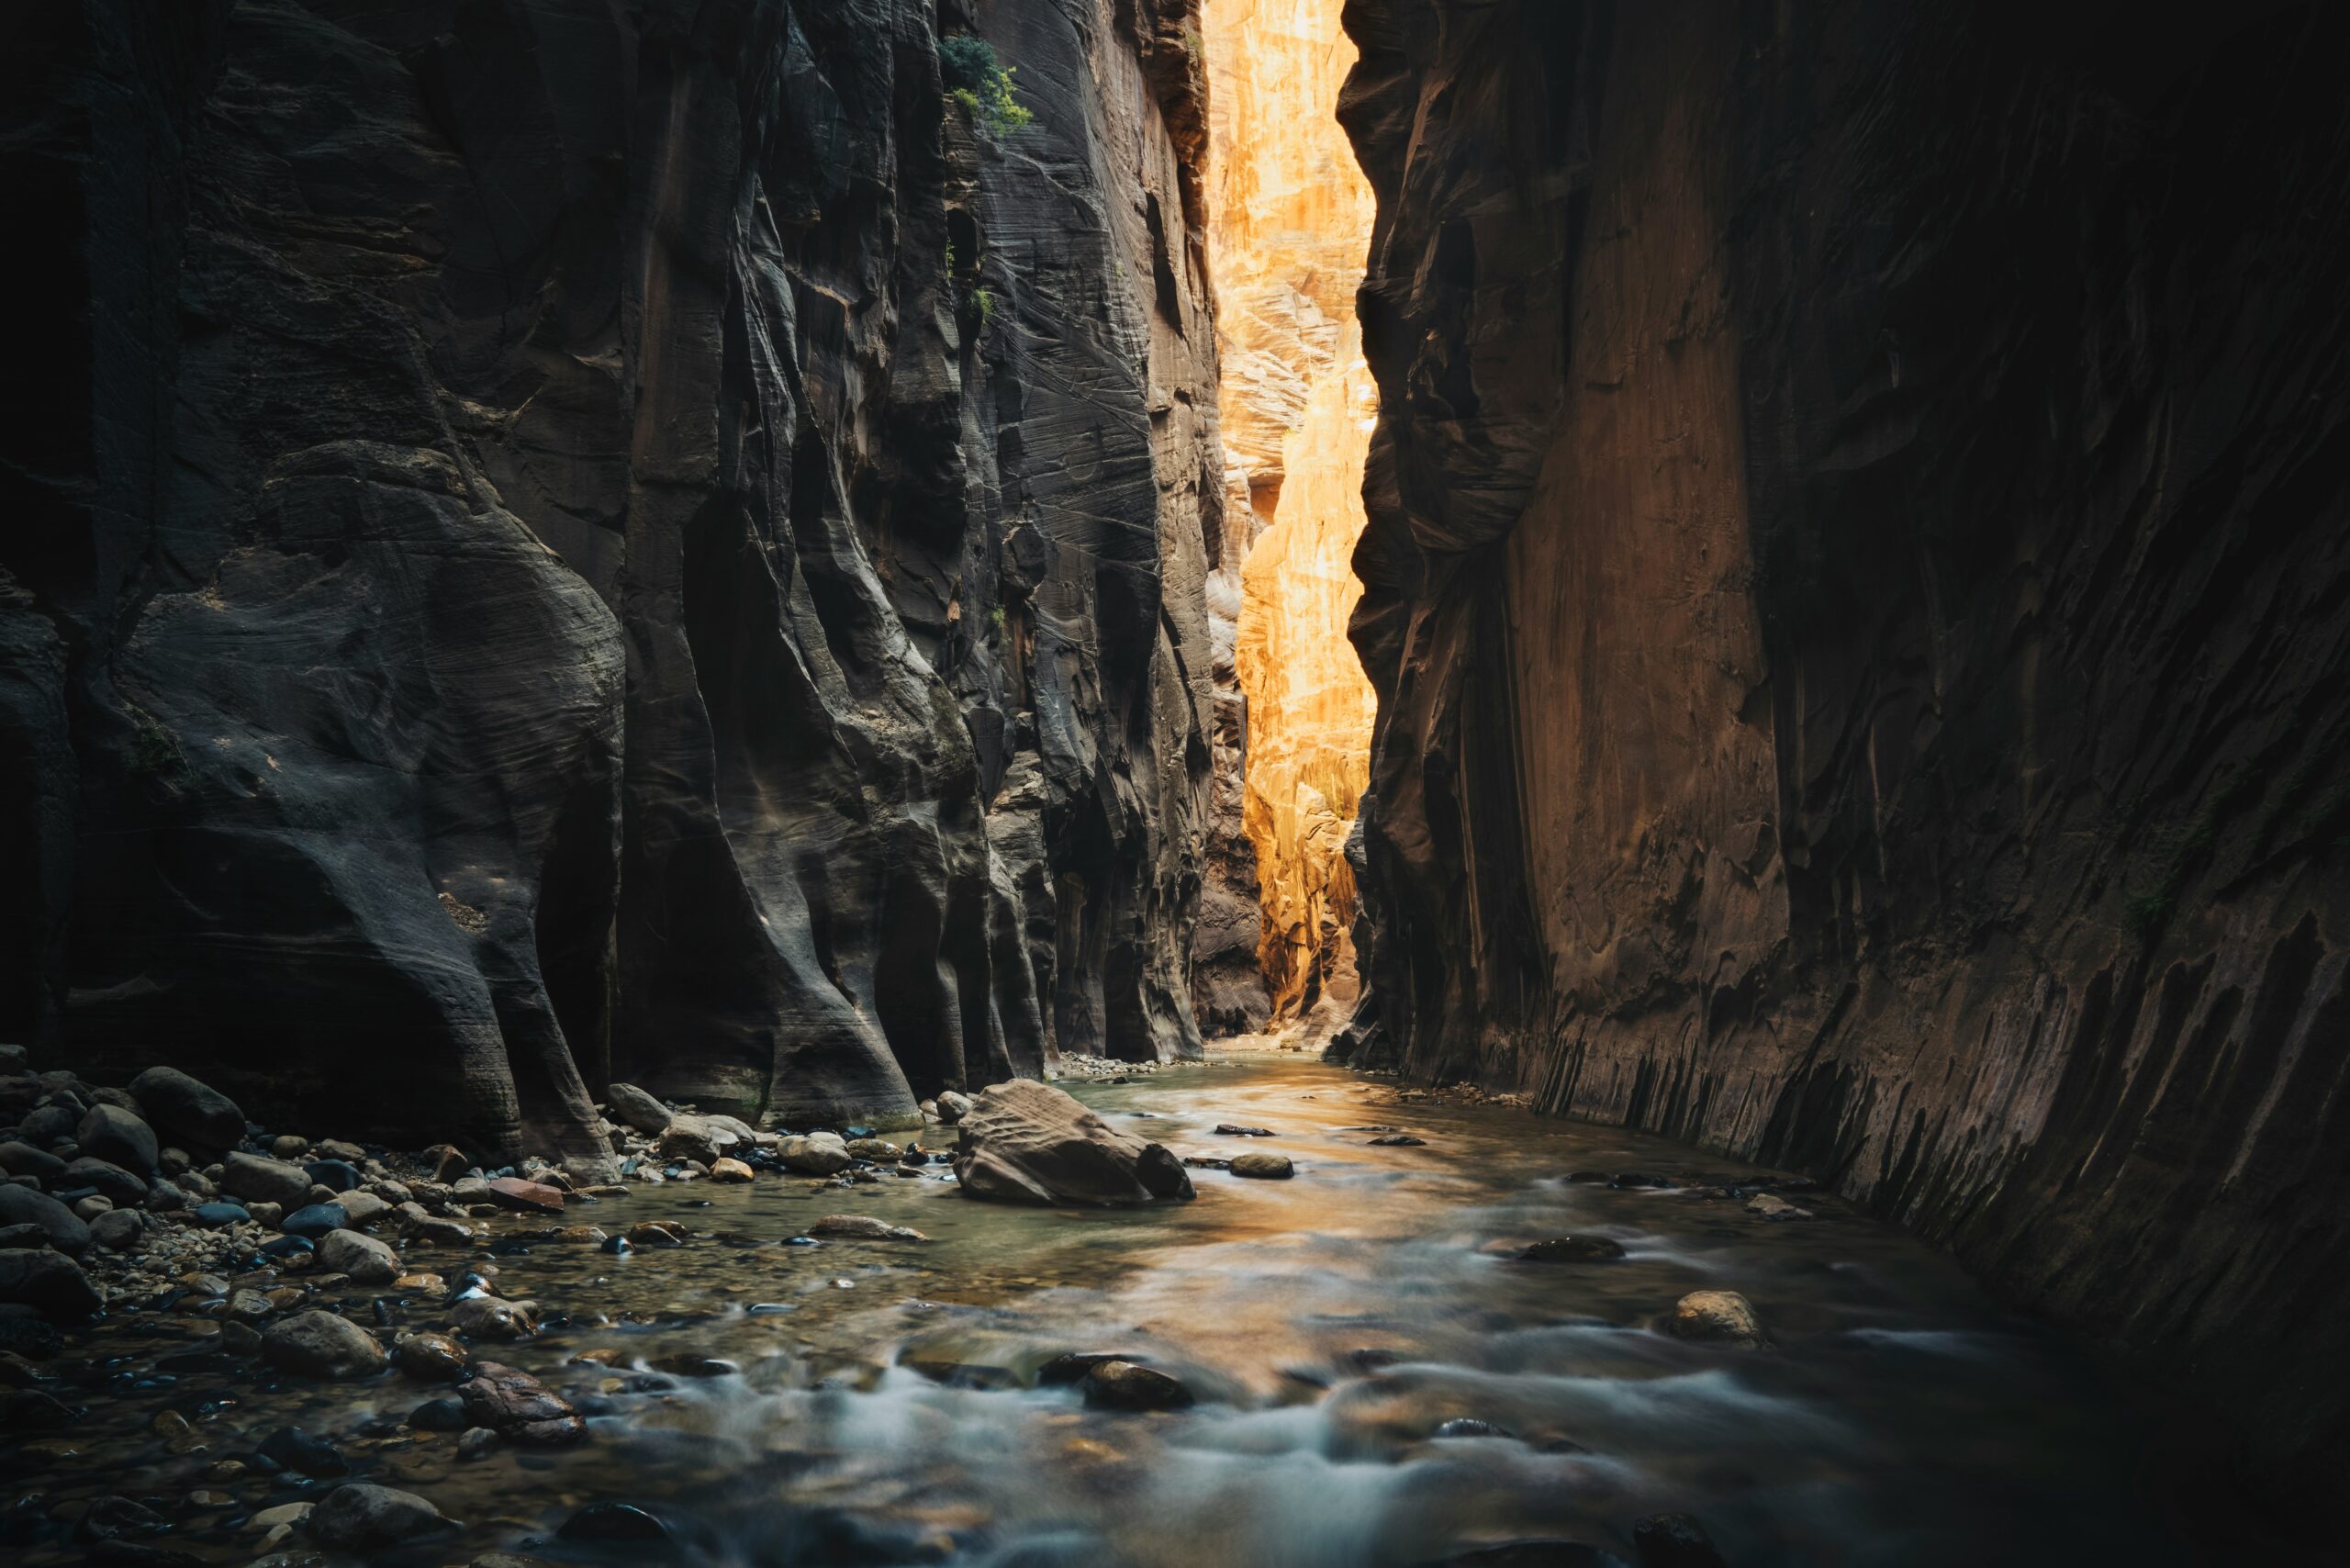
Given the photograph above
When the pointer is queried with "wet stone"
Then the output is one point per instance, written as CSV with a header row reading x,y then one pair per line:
x,y
1122,1385
1263,1167
291,1448
1572,1250
1674,1541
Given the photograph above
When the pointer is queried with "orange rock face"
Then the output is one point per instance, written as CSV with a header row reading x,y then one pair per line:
x,y
1291,222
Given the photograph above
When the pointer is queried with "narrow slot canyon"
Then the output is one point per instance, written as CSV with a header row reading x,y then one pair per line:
x,y
1175,783
1289,219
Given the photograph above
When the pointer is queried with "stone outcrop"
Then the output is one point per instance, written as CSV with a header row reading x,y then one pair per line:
x,y
639,542
1854,583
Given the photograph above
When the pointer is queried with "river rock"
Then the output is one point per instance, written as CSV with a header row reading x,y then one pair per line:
x,y
446,1162
654,1233
1263,1167
614,1523
725,1169
367,1261
20,1158
487,1318
123,1188
315,1220
1024,1141
187,1110
358,1517
815,1154
322,1344
50,1282
689,1137
114,1135
337,1176
361,1208
23,1205
119,1230
291,1448
1716,1318
429,1358
1572,1250
864,1228
218,1216
22,1235
1770,1205
1674,1541
878,1149
639,1108
253,1177
525,1197
515,1404
953,1106
1122,1385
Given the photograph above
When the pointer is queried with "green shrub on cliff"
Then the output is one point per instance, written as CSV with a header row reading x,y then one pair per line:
x,y
982,84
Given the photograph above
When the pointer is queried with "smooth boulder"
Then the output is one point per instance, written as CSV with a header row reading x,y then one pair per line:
x,y
114,1135
815,1154
50,1282
367,1261
359,1516
639,1108
1263,1167
262,1180
322,1344
116,1186
518,1407
188,1110
65,1230
1026,1142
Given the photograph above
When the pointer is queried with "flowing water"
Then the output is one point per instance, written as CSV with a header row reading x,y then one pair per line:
x,y
881,1407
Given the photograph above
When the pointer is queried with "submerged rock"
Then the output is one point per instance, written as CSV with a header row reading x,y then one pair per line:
x,y
1122,1385
323,1344
1674,1541
1716,1318
1027,1142
1572,1250
864,1228
357,1517
1263,1167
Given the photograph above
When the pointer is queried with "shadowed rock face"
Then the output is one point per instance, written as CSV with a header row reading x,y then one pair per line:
x,y
1855,586
565,543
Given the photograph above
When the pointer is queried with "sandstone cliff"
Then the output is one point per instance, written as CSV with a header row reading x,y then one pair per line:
x,y
564,543
1856,587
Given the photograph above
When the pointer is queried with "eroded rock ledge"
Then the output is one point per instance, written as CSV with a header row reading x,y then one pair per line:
x,y
1854,586
561,544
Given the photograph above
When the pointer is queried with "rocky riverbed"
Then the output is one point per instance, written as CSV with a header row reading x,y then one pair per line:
x,y
1452,1330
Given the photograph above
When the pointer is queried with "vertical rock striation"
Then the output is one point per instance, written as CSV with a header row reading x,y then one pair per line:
x,y
1856,588
567,543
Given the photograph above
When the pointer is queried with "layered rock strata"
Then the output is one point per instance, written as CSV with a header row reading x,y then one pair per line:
x,y
647,542
1855,584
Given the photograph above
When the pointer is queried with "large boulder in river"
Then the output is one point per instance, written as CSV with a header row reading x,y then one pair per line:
x,y
815,1154
187,1109
23,1205
1716,1318
1026,1142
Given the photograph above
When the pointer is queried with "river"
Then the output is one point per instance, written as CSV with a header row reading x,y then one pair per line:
x,y
875,1403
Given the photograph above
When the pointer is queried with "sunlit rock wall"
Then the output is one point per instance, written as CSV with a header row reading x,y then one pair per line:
x,y
532,566
1290,219
1856,580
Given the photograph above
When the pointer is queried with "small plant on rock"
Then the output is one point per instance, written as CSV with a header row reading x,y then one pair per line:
x,y
982,84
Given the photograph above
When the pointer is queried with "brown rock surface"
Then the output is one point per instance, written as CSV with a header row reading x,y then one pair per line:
x,y
1026,1142
1855,599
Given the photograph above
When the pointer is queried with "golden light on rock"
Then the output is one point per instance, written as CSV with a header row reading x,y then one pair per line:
x,y
1291,223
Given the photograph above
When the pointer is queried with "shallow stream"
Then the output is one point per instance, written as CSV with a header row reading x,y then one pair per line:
x,y
879,1406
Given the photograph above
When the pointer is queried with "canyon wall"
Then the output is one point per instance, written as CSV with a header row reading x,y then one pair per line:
x,y
561,543
1859,594
1290,214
